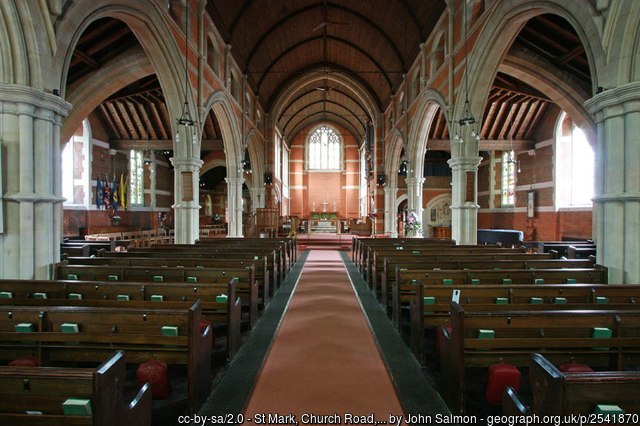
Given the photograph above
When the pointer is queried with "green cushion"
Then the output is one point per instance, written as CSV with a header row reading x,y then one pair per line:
x,y
538,281
222,298
570,281
169,330
447,281
157,298
486,334
6,295
429,300
112,278
536,301
507,281
608,409
123,297
40,295
601,300
75,296
502,301
192,279
77,407
158,278
475,281
25,327
68,327
72,277
560,300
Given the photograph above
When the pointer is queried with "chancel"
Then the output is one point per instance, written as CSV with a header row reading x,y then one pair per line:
x,y
237,208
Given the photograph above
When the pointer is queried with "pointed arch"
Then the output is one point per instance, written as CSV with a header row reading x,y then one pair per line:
x,y
222,108
392,153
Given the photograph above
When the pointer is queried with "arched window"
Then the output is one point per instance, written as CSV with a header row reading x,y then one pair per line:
x,y
508,179
136,178
575,164
324,149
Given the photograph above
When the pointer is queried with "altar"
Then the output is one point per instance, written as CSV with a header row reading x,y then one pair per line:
x,y
323,222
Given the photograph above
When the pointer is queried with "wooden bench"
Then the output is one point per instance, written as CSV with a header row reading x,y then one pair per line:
x,y
135,295
44,390
136,331
246,287
403,289
562,394
561,334
387,273
290,244
361,245
515,298
260,266
274,260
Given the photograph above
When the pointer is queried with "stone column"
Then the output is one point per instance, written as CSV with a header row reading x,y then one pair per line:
x,y
390,214
257,198
464,199
414,195
32,202
234,203
186,199
616,210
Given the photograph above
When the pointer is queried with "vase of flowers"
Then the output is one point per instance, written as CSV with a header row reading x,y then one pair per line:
x,y
412,226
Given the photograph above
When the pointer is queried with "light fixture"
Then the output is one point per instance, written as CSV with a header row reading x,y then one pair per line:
x,y
185,118
467,118
511,158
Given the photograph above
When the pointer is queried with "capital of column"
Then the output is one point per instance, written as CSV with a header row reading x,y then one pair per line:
x,y
17,94
186,163
414,181
627,197
234,180
615,102
464,163
390,190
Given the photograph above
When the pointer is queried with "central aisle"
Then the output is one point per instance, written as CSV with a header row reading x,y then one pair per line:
x,y
324,359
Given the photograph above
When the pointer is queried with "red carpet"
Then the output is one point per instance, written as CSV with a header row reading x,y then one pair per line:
x,y
324,359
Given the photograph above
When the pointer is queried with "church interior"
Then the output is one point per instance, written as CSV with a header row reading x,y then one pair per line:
x,y
347,209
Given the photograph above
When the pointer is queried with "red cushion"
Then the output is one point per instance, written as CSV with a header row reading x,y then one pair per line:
x,y
155,373
573,367
500,376
28,361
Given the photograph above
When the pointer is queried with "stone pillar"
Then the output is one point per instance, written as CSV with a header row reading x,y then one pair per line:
x,y
234,203
32,202
616,210
257,198
390,214
464,199
414,195
186,199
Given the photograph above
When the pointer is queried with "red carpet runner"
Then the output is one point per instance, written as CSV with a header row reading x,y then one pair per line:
x,y
324,360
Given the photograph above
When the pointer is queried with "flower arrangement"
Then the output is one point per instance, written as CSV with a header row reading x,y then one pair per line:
x,y
412,224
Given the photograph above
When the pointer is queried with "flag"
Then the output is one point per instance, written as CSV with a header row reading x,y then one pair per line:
x,y
123,193
99,194
114,193
106,191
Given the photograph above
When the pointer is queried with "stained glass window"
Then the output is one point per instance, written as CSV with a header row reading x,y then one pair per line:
x,y
508,178
324,149
136,177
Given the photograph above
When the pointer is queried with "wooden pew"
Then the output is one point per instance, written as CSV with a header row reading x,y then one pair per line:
x,y
562,394
562,334
106,294
403,291
276,271
422,252
44,389
246,287
290,244
360,245
520,261
516,298
136,331
125,259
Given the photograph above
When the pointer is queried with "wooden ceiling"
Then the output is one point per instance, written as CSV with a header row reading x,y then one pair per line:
x,y
278,42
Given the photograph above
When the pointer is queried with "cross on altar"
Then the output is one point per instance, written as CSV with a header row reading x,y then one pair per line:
x,y
324,205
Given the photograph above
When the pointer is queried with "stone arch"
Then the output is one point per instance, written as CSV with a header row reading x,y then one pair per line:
x,y
426,111
508,19
212,164
256,155
623,37
392,154
222,108
148,24
399,200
